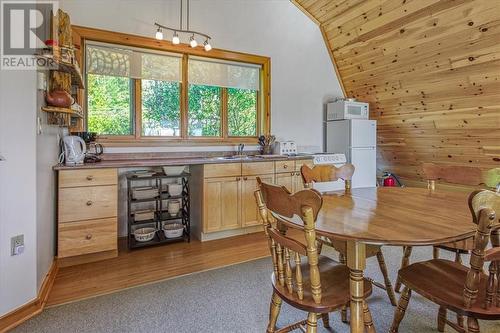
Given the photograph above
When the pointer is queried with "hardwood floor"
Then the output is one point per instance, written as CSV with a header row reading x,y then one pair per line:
x,y
142,266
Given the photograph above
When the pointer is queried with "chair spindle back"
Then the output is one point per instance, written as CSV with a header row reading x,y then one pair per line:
x,y
286,252
327,173
485,209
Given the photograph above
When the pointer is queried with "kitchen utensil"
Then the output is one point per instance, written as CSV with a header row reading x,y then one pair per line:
x,y
144,234
143,215
173,230
174,170
173,207
59,98
174,189
74,150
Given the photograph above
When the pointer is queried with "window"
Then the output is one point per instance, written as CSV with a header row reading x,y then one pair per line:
x,y
242,112
204,110
160,108
109,100
141,95
109,105
209,81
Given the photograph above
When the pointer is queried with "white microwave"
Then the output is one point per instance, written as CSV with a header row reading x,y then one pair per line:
x,y
347,110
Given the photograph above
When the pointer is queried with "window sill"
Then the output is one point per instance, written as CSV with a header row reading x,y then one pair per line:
x,y
153,142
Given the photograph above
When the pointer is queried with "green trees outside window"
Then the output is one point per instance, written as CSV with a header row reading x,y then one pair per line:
x,y
109,105
111,111
161,111
241,112
204,114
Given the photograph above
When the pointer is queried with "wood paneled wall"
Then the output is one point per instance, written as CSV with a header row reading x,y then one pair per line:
x,y
430,70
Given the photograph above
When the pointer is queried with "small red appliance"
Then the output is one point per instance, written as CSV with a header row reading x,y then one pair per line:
x,y
391,180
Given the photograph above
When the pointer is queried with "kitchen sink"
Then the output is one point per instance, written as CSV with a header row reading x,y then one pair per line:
x,y
237,157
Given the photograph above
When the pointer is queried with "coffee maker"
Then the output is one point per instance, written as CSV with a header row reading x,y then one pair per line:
x,y
94,149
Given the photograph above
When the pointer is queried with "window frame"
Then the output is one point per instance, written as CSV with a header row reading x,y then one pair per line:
x,y
82,34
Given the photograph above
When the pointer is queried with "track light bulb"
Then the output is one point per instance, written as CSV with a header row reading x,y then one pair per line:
x,y
175,39
159,34
207,46
193,42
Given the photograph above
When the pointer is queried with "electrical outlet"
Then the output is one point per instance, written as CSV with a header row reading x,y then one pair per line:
x,y
17,245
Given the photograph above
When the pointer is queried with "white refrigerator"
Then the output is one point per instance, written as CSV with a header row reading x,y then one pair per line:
x,y
357,139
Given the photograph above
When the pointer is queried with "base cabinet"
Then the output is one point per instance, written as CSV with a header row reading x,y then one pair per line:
x,y
87,215
227,200
221,199
249,211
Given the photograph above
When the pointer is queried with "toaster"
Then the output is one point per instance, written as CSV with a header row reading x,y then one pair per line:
x,y
285,148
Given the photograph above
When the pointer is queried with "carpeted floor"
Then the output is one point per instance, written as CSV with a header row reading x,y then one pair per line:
x,y
231,299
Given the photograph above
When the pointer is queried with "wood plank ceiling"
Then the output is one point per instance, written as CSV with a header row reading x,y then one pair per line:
x,y
430,70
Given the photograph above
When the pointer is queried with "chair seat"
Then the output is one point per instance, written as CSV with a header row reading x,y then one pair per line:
x,y
442,281
334,288
463,246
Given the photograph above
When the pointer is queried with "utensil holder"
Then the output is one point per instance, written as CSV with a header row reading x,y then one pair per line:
x,y
267,150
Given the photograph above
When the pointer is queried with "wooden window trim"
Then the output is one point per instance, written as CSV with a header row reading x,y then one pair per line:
x,y
263,97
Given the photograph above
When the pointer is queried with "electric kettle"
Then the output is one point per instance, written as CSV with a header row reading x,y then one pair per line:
x,y
74,150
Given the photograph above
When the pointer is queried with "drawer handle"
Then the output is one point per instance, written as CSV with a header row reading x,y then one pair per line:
x,y
285,166
89,178
88,237
245,178
238,179
89,203
292,174
297,174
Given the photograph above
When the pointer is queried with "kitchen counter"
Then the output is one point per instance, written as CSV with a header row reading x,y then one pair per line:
x,y
155,162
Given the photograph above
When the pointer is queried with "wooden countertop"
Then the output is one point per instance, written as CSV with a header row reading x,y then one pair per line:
x,y
153,162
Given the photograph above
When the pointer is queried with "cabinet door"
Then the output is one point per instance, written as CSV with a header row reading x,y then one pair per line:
x,y
298,182
286,179
249,212
221,204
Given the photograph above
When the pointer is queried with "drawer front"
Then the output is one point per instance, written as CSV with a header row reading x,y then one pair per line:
x,y
285,166
87,203
300,163
87,177
86,237
222,170
257,168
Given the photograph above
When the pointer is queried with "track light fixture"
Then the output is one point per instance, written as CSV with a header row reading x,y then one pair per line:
x,y
193,41
175,38
159,34
207,45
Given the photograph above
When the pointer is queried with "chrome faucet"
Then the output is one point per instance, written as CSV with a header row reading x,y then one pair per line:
x,y
241,146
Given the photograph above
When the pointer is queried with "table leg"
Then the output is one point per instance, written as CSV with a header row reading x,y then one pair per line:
x,y
356,261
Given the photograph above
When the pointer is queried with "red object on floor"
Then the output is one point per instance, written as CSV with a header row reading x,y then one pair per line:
x,y
389,181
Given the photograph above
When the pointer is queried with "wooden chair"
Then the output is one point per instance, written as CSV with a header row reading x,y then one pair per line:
x,y
466,291
325,173
455,175
317,285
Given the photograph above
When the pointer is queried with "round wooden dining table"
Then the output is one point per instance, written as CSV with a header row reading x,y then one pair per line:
x,y
388,216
